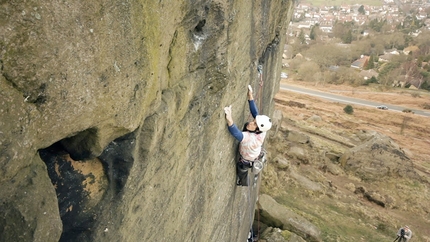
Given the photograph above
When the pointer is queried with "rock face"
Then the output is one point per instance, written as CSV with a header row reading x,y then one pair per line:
x,y
112,126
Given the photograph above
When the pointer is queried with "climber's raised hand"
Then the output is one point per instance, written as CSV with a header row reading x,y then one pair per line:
x,y
250,96
228,117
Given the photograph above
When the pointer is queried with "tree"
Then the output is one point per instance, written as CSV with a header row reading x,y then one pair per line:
x,y
395,40
344,31
377,24
302,38
408,39
347,75
339,29
326,55
423,43
410,24
307,70
426,86
371,80
313,35
348,109
347,38
328,77
427,10
361,10
370,64
392,71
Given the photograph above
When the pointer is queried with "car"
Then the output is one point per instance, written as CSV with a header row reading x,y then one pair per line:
x,y
383,107
284,75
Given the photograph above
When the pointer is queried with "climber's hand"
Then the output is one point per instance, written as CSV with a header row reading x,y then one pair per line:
x,y
227,111
250,97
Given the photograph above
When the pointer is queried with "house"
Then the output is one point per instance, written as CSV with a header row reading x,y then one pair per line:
x,y
304,6
367,74
392,51
360,63
304,26
415,83
326,28
386,57
333,68
416,33
400,81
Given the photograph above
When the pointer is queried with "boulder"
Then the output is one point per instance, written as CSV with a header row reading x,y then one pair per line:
x,y
297,137
332,156
305,182
299,153
281,162
279,216
377,158
278,235
315,118
277,118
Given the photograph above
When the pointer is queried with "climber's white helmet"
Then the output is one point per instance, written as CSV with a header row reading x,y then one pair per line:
x,y
263,122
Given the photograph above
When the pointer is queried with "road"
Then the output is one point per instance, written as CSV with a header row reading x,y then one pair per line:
x,y
348,100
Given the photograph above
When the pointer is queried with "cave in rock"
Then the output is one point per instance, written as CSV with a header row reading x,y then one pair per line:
x,y
82,185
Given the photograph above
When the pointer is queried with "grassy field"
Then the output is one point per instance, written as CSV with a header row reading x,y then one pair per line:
x,y
340,213
319,3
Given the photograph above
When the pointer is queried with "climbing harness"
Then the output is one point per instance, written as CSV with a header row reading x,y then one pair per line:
x,y
259,163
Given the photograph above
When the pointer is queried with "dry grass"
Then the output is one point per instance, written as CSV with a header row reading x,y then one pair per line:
x,y
331,212
410,131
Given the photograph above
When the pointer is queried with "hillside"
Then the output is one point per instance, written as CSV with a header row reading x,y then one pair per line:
x,y
345,204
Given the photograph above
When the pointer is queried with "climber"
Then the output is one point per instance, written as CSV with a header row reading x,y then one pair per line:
x,y
251,138
404,234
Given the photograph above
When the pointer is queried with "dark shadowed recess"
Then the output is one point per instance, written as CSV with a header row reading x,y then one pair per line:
x,y
77,212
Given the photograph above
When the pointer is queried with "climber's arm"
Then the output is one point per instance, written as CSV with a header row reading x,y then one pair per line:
x,y
235,132
252,106
232,128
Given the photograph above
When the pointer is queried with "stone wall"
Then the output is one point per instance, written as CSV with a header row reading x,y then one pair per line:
x,y
112,127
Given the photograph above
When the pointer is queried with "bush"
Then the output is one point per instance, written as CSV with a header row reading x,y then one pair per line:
x,y
414,94
371,80
348,109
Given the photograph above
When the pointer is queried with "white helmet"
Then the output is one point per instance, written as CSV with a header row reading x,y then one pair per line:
x,y
263,122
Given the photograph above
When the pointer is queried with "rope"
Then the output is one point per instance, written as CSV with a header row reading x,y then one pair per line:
x,y
259,93
260,71
258,223
249,202
260,90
